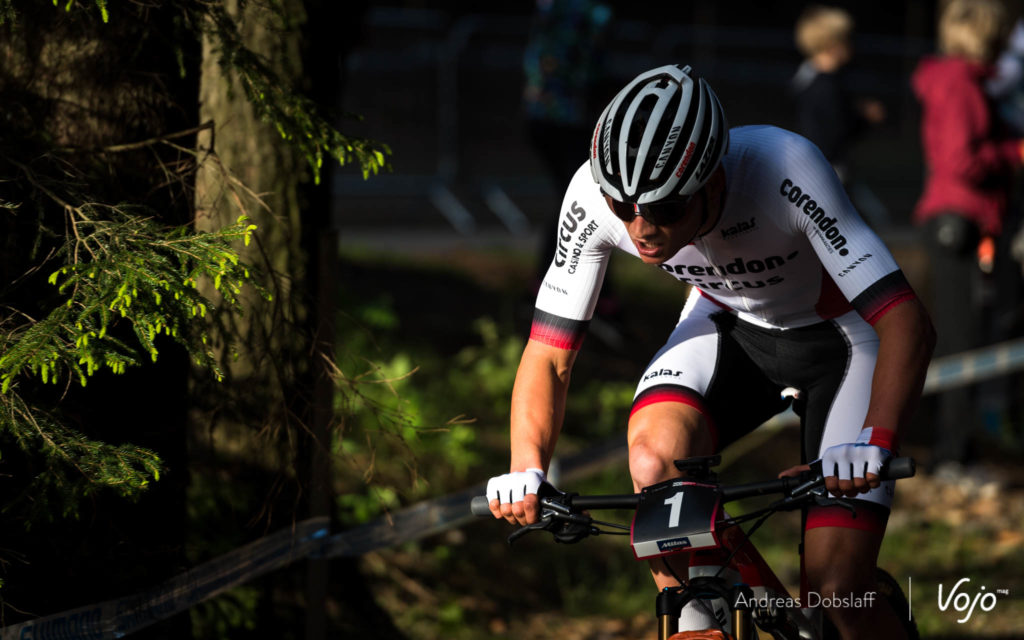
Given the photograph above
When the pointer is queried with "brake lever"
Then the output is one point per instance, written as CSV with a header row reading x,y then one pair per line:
x,y
813,490
557,517
822,499
821,496
552,508
812,482
540,525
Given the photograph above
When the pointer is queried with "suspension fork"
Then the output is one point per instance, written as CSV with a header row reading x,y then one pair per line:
x,y
670,603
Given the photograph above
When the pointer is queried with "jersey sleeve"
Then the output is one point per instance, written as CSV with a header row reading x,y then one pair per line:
x,y
851,253
570,289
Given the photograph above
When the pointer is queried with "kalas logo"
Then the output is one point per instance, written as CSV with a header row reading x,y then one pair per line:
x,y
739,228
964,603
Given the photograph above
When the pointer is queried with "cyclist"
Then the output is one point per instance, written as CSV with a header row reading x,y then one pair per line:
x,y
788,287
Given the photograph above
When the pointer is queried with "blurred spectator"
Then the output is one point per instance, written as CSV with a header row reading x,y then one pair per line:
x,y
1002,403
1006,85
827,112
563,64
970,159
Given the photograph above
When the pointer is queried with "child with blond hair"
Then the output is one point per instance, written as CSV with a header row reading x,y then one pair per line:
x,y
827,113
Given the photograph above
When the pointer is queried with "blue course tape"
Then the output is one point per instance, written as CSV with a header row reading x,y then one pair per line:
x,y
120,617
971,367
412,523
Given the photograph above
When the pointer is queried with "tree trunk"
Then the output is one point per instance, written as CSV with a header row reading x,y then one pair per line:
x,y
254,173
280,370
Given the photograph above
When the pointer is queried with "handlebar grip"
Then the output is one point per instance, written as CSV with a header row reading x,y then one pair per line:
x,y
898,468
480,506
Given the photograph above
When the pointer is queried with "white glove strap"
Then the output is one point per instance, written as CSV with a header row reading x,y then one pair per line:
x,y
513,487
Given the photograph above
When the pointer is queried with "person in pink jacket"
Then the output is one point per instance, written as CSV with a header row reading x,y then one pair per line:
x,y
970,161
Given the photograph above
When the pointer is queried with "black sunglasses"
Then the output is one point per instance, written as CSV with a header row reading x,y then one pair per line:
x,y
665,212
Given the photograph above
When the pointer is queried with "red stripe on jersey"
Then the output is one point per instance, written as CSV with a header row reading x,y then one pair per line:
x,y
873,318
883,296
717,302
560,337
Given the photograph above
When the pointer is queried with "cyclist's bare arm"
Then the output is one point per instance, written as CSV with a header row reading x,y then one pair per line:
x,y
905,342
538,407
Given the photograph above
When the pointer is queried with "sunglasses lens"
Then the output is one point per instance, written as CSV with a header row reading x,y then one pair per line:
x,y
658,213
663,213
623,210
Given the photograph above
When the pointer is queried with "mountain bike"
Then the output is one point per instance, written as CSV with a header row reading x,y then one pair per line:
x,y
728,579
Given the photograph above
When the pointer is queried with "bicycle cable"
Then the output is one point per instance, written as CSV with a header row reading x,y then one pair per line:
x,y
746,540
623,530
672,571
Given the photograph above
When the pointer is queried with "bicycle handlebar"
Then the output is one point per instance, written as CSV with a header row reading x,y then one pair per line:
x,y
894,469
480,505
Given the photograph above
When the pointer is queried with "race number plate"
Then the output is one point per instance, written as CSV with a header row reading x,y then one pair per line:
x,y
674,516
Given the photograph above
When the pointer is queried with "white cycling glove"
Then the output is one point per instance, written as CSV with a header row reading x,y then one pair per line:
x,y
513,487
866,455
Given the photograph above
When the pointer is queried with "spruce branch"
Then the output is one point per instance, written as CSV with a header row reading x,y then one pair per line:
x,y
138,273
75,466
297,118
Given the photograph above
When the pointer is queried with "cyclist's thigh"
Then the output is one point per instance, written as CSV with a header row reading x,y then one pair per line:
x,y
841,558
703,367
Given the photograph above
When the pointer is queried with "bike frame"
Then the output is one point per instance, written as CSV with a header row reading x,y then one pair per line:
x,y
758,582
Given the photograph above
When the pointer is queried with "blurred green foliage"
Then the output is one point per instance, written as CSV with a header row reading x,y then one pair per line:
x,y
439,394
223,616
413,419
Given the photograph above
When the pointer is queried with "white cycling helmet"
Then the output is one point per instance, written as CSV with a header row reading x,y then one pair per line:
x,y
660,138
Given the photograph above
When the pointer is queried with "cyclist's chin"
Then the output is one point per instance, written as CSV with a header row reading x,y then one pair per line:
x,y
653,260
651,253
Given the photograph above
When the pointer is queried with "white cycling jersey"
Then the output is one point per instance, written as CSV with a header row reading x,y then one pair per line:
x,y
783,289
789,250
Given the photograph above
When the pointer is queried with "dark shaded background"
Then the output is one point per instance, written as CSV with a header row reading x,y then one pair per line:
x,y
441,83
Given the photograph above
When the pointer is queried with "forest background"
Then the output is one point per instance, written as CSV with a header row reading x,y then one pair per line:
x,y
220,316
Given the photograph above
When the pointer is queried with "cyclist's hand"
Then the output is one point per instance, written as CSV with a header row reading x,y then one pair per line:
x,y
793,472
513,496
850,469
